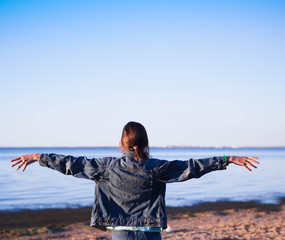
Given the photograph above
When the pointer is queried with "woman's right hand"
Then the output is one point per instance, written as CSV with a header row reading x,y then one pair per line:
x,y
244,161
25,160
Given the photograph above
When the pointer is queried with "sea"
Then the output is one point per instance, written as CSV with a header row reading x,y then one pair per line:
x,y
40,187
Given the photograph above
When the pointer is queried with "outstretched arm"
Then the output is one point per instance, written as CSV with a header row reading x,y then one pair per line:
x,y
25,160
81,167
177,171
244,161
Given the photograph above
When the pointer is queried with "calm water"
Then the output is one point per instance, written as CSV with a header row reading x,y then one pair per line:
x,y
40,187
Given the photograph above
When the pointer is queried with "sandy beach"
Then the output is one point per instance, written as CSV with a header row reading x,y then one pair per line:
x,y
221,220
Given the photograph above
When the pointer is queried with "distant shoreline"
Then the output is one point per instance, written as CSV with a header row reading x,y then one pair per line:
x,y
163,147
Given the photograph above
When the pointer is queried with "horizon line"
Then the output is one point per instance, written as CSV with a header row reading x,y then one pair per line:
x,y
166,146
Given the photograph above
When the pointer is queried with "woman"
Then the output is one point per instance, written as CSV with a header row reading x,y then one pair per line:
x,y
130,191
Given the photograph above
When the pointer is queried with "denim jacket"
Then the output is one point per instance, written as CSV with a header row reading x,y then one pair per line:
x,y
130,192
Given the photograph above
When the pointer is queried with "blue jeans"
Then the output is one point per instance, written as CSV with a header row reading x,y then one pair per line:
x,y
135,235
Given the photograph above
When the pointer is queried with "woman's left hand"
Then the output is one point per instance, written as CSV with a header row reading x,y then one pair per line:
x,y
25,160
244,161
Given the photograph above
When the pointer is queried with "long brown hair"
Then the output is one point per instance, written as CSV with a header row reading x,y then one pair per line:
x,y
134,138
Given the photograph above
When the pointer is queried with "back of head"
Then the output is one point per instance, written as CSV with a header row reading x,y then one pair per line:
x,y
134,138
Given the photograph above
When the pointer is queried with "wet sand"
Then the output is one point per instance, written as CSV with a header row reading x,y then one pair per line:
x,y
221,220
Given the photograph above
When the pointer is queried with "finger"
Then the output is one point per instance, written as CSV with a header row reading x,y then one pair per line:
x,y
15,159
16,163
25,165
248,162
251,160
246,167
253,157
20,166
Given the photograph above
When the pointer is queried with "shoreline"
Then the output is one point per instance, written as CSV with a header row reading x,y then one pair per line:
x,y
65,222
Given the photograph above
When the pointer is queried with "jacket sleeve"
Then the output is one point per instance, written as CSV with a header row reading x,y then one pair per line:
x,y
80,167
178,171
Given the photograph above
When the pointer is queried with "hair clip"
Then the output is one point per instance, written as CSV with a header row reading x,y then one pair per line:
x,y
135,147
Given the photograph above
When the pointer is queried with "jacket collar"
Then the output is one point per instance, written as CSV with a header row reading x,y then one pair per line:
x,y
129,154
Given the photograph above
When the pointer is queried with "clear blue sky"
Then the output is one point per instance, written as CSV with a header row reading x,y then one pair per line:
x,y
199,73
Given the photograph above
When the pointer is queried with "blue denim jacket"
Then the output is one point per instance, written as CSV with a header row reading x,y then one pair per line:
x,y
130,192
